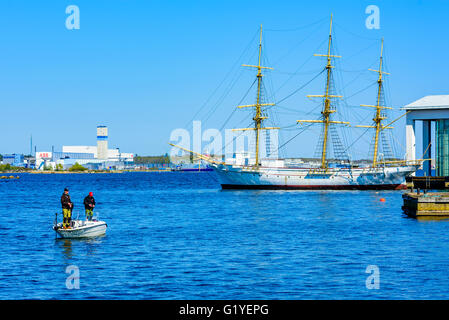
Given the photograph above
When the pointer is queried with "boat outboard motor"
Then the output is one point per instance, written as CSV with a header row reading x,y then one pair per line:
x,y
55,226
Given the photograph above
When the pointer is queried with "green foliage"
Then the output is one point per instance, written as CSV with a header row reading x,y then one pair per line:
x,y
151,159
77,167
5,167
59,167
9,168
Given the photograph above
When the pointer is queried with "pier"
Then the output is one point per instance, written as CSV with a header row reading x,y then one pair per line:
x,y
418,202
426,204
428,195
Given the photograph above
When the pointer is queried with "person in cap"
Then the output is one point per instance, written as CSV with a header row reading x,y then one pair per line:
x,y
67,206
89,205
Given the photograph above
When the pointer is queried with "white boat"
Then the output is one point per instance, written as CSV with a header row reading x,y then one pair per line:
x,y
81,229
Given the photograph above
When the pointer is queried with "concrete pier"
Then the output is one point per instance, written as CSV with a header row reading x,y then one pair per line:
x,y
426,204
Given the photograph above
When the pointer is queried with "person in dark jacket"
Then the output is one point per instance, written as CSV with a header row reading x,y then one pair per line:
x,y
89,205
67,206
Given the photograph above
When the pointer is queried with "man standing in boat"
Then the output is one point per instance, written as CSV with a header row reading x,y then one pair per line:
x,y
89,205
67,206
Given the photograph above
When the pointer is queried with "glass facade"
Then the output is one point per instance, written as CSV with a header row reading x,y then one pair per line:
x,y
442,147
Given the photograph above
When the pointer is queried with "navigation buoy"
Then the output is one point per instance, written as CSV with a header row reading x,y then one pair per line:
x,y
382,200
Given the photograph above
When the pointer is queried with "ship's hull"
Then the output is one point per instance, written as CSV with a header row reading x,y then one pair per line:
x,y
240,177
314,187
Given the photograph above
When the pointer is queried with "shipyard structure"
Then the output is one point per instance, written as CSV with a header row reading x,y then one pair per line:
x,y
98,157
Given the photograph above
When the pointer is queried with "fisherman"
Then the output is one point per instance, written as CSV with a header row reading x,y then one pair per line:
x,y
89,205
67,207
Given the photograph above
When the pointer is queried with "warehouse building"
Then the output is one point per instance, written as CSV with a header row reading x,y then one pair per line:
x,y
97,157
432,112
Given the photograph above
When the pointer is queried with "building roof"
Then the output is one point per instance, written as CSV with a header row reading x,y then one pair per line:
x,y
429,102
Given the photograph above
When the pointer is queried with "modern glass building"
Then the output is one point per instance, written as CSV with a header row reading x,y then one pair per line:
x,y
442,147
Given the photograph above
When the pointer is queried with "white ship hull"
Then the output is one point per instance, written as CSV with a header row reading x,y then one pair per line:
x,y
241,177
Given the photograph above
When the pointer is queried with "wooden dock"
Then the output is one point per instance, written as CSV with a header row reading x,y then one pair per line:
x,y
421,202
426,204
427,183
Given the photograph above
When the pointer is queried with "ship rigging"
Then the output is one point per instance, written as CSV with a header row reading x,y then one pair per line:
x,y
260,175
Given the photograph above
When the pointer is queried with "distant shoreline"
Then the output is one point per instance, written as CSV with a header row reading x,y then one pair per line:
x,y
78,172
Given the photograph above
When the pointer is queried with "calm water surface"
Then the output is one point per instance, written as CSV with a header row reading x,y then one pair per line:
x,y
178,236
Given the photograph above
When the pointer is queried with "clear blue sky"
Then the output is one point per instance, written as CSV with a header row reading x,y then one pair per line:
x,y
144,68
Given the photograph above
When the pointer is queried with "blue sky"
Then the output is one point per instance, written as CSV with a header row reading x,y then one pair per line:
x,y
145,68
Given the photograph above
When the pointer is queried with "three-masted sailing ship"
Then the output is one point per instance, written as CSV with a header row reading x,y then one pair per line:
x,y
347,175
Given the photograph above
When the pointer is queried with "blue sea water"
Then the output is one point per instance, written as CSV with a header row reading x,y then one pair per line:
x,y
179,236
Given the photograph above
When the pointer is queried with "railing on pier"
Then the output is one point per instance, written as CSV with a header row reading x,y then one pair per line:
x,y
428,183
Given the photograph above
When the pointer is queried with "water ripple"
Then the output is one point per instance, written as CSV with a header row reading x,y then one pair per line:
x,y
178,236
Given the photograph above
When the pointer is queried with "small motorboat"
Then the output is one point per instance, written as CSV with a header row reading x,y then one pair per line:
x,y
81,229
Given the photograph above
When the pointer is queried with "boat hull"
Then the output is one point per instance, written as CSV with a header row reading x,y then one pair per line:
x,y
314,187
82,229
239,177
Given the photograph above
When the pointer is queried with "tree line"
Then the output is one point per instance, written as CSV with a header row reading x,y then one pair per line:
x,y
152,159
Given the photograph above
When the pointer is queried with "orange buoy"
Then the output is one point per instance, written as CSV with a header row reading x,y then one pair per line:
x,y
382,200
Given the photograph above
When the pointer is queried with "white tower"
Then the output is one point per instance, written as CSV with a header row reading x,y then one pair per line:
x,y
102,142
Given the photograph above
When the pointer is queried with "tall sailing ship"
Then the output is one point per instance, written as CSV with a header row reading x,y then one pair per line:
x,y
346,175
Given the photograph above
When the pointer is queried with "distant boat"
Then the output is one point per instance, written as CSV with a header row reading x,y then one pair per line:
x,y
339,173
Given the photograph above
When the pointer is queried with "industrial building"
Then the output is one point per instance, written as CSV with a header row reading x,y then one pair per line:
x,y
14,159
18,160
97,157
433,112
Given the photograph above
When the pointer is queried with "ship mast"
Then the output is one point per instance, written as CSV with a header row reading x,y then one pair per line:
x,y
378,116
258,118
328,108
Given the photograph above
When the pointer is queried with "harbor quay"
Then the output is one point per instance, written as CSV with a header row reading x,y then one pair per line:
x,y
426,197
426,204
